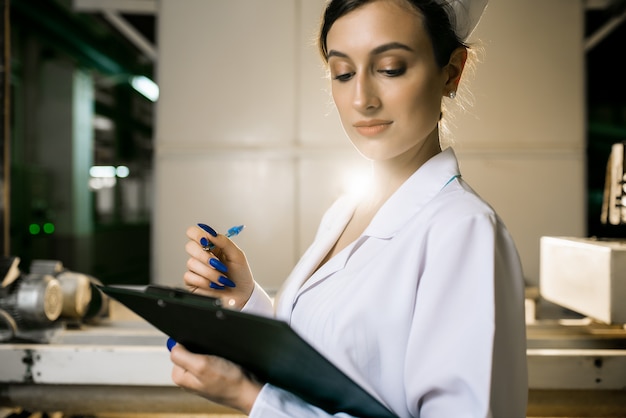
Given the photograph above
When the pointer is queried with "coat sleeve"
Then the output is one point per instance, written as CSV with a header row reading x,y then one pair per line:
x,y
259,303
448,362
274,402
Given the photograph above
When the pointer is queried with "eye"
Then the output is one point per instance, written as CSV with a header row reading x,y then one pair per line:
x,y
393,72
343,77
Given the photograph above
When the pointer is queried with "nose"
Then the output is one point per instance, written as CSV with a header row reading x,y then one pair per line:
x,y
366,98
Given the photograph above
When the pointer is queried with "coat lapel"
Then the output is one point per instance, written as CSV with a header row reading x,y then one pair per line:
x,y
327,236
418,190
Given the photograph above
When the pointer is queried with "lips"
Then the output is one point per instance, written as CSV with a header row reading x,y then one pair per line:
x,y
372,127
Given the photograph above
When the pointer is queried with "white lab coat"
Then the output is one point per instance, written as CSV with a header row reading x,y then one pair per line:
x,y
425,310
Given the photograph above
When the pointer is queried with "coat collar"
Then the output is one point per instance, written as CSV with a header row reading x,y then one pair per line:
x,y
413,194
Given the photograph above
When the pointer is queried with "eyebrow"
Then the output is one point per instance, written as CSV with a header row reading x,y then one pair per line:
x,y
376,51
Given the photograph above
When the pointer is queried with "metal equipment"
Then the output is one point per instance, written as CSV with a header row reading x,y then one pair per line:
x,y
34,306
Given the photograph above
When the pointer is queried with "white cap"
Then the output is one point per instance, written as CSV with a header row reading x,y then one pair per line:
x,y
464,15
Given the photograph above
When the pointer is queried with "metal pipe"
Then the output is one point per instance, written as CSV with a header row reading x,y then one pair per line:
x,y
603,32
131,33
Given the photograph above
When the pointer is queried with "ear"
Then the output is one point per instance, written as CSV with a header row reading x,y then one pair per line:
x,y
454,69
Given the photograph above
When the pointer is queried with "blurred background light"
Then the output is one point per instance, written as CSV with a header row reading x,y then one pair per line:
x,y
145,87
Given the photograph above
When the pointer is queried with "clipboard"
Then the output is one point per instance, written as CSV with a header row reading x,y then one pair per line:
x,y
267,347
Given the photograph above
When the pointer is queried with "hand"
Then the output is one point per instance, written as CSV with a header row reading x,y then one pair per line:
x,y
223,272
214,378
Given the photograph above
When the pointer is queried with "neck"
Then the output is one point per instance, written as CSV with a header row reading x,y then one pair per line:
x,y
387,176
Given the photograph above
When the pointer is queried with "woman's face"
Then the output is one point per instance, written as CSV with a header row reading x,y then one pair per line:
x,y
385,82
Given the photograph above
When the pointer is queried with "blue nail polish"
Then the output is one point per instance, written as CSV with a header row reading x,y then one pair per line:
x,y
170,344
226,281
216,286
208,229
218,265
204,242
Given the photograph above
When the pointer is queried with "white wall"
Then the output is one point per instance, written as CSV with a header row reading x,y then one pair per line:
x,y
246,132
522,145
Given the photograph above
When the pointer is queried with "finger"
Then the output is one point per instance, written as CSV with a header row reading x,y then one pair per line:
x,y
178,375
201,230
181,376
190,362
204,264
203,234
208,376
204,258
202,267
200,275
196,250
202,364
201,285
215,272
181,357
223,247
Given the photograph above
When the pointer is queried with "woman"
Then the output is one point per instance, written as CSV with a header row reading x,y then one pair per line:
x,y
415,291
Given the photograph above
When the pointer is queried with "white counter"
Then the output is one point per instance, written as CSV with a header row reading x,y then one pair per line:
x,y
123,365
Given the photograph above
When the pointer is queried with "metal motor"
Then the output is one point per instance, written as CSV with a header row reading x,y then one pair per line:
x,y
34,306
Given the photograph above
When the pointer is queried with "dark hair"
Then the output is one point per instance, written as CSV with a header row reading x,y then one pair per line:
x,y
436,23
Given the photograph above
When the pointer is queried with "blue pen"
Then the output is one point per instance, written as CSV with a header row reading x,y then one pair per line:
x,y
235,230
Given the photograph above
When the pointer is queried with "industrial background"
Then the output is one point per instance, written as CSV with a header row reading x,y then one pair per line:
x,y
126,121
